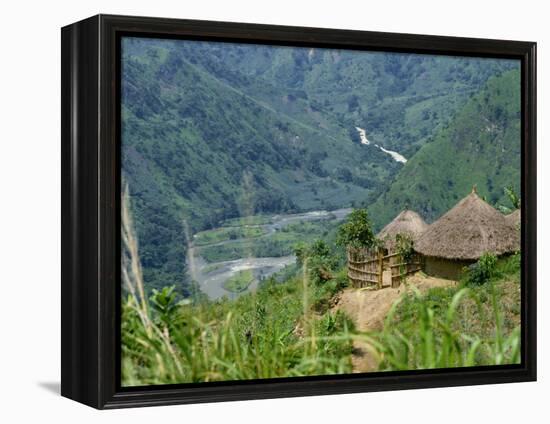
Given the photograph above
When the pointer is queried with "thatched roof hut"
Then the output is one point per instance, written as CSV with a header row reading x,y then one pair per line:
x,y
468,230
407,223
463,234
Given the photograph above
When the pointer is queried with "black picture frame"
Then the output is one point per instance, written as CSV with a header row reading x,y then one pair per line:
x,y
91,204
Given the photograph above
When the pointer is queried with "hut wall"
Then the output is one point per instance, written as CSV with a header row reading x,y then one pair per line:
x,y
445,268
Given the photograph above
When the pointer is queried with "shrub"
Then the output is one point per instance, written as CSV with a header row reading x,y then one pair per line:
x,y
483,270
357,230
404,246
319,260
164,303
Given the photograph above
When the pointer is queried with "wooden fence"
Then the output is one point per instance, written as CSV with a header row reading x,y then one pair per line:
x,y
400,269
366,267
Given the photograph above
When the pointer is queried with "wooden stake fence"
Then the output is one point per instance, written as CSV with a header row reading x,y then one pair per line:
x,y
366,267
400,269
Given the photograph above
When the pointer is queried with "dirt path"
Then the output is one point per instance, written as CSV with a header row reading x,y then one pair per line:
x,y
368,309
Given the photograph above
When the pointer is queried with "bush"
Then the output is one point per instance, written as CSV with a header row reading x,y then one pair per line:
x,y
404,246
357,230
483,270
165,305
319,259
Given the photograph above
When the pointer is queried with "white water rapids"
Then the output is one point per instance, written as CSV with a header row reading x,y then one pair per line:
x,y
364,140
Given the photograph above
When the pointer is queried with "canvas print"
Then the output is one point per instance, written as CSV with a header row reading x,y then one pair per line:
x,y
300,211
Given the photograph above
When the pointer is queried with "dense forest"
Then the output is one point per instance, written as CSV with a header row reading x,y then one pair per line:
x,y
212,132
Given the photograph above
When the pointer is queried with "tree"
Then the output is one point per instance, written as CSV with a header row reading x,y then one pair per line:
x,y
357,230
318,259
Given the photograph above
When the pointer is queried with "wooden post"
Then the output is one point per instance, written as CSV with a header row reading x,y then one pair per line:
x,y
380,268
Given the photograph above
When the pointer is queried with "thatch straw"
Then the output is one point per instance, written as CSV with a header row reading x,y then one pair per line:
x,y
407,223
514,218
467,231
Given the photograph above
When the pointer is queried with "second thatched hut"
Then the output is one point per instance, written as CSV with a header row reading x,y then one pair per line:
x,y
407,223
463,234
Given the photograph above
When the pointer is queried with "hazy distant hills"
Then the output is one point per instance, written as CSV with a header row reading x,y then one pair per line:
x,y
213,131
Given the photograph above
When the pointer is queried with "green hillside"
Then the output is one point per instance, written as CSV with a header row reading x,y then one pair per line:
x,y
480,146
401,99
214,131
205,155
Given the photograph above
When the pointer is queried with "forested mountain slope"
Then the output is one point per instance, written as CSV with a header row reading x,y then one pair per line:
x,y
212,131
481,146
401,99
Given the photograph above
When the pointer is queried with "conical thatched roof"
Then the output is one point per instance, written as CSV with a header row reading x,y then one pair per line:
x,y
408,223
514,218
470,229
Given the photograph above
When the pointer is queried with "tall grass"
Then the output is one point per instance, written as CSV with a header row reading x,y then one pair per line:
x,y
268,334
447,328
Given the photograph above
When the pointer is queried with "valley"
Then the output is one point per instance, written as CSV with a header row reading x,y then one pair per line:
x,y
256,182
212,276
276,130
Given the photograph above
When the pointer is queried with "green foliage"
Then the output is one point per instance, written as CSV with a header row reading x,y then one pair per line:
x,y
164,303
320,269
280,243
247,220
510,266
453,327
301,251
514,201
404,246
319,260
320,249
263,335
324,293
283,116
227,233
483,270
357,230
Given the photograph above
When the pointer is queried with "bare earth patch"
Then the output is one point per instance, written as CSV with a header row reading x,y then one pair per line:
x,y
368,309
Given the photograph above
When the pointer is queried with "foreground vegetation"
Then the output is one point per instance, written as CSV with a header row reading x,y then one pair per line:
x,y
271,333
289,328
275,332
475,323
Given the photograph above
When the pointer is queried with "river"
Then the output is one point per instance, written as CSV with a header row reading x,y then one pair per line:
x,y
398,157
211,276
